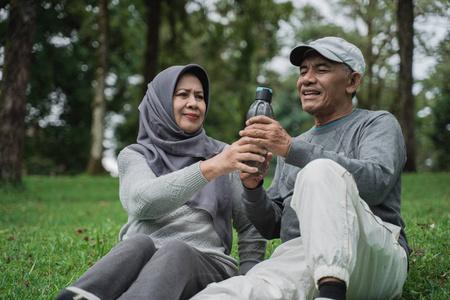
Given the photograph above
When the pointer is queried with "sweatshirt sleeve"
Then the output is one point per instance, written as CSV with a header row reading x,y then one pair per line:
x,y
251,245
376,161
265,208
145,196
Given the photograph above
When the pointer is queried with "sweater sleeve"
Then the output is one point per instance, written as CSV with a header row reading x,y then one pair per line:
x,y
251,246
376,162
145,196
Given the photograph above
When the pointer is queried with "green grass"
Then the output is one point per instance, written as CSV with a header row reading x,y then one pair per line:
x,y
55,228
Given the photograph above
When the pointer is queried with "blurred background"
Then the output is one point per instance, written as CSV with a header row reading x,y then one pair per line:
x,y
73,72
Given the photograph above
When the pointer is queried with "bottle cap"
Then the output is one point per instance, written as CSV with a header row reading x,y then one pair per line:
x,y
263,93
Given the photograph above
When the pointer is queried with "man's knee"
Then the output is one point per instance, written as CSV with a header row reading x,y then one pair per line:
x,y
317,169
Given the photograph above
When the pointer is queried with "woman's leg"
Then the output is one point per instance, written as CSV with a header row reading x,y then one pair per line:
x,y
176,271
115,272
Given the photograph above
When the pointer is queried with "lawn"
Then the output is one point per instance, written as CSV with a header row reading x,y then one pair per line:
x,y
54,228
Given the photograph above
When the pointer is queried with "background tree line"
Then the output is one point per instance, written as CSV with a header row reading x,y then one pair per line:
x,y
74,72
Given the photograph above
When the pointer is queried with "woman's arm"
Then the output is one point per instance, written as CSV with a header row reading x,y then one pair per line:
x,y
145,196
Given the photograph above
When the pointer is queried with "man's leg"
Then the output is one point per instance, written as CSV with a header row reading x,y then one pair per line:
x,y
342,237
283,276
115,272
176,271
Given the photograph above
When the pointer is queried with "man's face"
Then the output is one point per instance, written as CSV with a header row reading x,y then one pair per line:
x,y
322,86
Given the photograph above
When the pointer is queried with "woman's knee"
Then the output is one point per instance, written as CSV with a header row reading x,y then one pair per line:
x,y
175,247
141,244
177,251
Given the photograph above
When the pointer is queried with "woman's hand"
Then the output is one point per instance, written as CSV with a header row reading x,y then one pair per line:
x,y
232,159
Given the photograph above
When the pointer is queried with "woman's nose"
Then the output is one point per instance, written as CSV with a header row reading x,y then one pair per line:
x,y
191,101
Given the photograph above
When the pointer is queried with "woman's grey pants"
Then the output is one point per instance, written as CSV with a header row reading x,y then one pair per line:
x,y
133,269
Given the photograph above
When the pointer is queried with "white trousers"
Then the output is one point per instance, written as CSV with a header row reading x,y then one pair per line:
x,y
341,238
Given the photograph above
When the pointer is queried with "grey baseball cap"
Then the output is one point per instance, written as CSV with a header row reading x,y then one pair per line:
x,y
333,48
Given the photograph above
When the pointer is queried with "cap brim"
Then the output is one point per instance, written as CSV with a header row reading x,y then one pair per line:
x,y
298,54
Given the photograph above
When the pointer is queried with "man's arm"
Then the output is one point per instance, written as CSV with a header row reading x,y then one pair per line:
x,y
378,159
263,211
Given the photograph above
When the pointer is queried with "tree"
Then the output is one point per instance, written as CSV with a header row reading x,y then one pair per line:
x,y
405,35
99,102
153,21
441,108
59,108
13,98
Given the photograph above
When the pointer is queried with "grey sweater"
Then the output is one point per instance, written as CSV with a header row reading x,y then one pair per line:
x,y
156,207
368,144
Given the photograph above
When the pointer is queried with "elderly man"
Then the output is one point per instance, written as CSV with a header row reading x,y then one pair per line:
x,y
336,196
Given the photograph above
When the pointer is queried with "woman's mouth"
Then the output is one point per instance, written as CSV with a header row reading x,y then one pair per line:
x,y
192,116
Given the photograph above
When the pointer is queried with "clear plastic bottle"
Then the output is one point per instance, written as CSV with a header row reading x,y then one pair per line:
x,y
261,106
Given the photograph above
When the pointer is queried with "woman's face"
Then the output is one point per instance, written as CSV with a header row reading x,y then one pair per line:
x,y
189,105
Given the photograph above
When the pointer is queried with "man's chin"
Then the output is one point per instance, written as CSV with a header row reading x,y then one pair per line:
x,y
310,110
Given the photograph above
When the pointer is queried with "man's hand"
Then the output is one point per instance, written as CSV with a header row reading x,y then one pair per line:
x,y
252,181
266,132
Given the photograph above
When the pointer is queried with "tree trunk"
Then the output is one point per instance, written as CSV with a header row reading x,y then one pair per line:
x,y
153,21
405,20
13,99
95,166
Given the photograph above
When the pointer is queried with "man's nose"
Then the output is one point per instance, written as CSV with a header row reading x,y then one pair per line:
x,y
308,77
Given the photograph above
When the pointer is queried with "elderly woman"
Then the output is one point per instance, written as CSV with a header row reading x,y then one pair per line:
x,y
181,190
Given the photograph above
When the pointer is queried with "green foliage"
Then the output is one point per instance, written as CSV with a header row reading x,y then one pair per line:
x,y
58,121
54,228
232,47
441,108
59,112
234,40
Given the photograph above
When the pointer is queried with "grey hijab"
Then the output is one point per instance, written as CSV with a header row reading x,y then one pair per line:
x,y
167,148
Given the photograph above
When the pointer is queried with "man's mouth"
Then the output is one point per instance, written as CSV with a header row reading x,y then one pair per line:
x,y
310,93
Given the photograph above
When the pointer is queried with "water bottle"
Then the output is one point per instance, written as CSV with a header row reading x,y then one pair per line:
x,y
261,106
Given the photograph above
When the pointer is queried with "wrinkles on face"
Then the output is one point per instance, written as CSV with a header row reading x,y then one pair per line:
x,y
189,105
322,88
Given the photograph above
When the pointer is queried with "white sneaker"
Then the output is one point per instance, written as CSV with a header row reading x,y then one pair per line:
x,y
81,294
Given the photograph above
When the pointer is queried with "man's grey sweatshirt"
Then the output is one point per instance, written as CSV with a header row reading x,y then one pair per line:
x,y
368,144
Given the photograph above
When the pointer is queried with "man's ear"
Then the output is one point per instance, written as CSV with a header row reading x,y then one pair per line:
x,y
353,82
